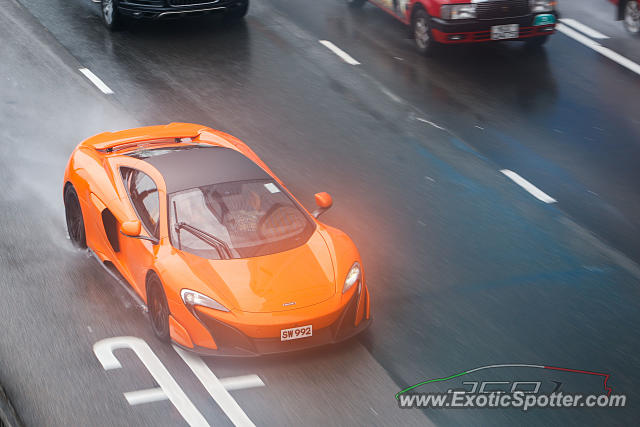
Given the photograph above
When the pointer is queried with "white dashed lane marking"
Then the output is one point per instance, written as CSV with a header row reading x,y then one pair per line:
x,y
420,119
531,189
145,396
241,382
341,53
96,81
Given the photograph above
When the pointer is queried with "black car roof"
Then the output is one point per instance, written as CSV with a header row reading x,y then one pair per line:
x,y
197,166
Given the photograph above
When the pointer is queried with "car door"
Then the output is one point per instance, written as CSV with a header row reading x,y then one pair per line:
x,y
137,255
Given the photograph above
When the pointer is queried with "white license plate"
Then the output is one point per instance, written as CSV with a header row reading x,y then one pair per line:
x,y
296,333
503,32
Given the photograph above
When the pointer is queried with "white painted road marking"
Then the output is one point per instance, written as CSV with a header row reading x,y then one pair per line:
x,y
216,388
96,81
420,119
104,352
395,98
532,189
145,396
341,53
616,57
241,382
584,28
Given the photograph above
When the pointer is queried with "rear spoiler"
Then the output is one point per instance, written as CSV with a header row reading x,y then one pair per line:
x,y
109,141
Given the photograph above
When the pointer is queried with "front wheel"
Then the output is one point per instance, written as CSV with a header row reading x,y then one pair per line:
x,y
421,28
632,16
158,308
355,3
110,14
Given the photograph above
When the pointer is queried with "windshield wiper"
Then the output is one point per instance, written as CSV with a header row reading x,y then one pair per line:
x,y
223,249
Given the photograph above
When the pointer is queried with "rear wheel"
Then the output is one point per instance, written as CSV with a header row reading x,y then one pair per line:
x,y
158,308
421,28
73,214
356,3
536,42
110,14
632,16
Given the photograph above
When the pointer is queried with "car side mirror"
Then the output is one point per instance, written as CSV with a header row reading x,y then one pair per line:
x,y
324,202
131,228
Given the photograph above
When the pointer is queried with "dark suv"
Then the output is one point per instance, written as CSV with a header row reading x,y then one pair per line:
x,y
114,10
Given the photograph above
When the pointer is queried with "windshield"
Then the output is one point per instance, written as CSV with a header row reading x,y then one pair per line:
x,y
237,220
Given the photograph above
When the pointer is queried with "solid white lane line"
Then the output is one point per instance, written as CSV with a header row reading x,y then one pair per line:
x,y
532,189
215,388
616,57
241,382
145,396
579,37
96,81
341,53
584,28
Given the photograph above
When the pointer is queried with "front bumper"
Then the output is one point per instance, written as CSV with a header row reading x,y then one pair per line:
x,y
479,30
233,342
155,9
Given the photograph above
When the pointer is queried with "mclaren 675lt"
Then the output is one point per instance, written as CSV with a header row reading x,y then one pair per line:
x,y
226,259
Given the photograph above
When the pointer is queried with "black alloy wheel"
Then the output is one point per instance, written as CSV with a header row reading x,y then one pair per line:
x,y
73,215
158,308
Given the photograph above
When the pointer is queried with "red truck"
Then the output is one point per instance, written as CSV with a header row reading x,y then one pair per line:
x,y
629,12
439,22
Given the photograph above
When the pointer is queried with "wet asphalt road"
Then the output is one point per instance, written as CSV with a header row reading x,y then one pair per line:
x,y
466,268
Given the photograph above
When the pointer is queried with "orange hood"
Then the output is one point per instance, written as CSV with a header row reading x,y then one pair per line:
x,y
283,281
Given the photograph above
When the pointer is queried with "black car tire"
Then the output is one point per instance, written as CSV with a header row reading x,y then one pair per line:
x,y
158,308
75,220
111,16
238,13
421,31
355,3
536,42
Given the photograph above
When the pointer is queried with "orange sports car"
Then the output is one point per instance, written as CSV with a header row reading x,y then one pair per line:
x,y
226,259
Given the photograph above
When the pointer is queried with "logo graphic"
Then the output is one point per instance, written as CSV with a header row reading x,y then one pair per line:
x,y
511,365
494,386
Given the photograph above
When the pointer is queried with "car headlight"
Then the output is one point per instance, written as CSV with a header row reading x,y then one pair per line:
x,y
458,11
538,6
192,299
353,277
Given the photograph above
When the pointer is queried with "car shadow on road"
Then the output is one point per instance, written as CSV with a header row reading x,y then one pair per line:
x,y
512,72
